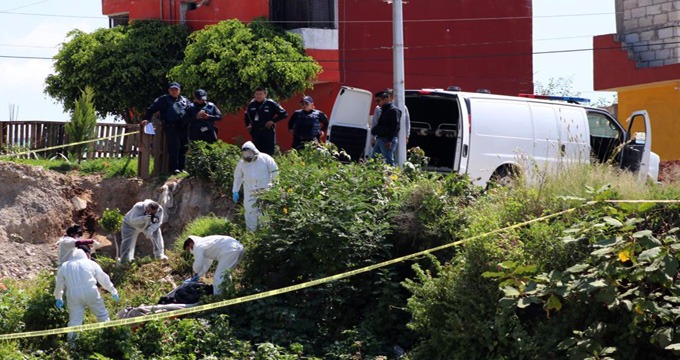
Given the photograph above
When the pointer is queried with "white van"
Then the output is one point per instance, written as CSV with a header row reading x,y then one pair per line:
x,y
495,137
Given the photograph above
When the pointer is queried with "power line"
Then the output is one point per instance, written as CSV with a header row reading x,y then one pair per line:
x,y
57,15
10,12
622,47
28,46
26,57
21,7
384,47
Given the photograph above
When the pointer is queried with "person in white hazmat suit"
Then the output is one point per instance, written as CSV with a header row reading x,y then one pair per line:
x,y
144,217
225,249
255,171
66,244
78,277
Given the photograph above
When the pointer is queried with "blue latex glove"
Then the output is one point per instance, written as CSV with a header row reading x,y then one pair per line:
x,y
115,297
193,279
59,303
234,196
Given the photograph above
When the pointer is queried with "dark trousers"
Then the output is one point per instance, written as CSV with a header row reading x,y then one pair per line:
x,y
299,143
264,140
208,136
176,140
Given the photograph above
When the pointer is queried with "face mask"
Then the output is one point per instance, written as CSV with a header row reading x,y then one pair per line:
x,y
248,155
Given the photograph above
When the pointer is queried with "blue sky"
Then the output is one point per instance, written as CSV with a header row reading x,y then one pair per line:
x,y
35,28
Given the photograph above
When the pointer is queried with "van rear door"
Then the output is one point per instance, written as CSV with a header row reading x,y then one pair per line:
x,y
348,126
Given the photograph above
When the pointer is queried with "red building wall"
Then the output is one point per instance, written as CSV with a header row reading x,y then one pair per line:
x,y
613,68
470,43
169,10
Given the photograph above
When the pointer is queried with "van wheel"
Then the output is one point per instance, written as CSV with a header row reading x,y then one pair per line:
x,y
503,177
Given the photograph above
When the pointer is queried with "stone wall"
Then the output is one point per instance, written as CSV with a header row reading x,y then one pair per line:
x,y
650,31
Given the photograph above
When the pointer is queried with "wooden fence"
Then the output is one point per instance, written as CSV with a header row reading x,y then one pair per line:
x,y
22,136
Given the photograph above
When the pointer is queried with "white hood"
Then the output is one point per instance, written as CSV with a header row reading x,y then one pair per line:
x,y
250,146
78,254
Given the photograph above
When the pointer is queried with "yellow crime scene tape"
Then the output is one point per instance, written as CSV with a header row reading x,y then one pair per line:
x,y
67,145
266,294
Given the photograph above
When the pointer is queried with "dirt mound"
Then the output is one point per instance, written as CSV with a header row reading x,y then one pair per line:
x,y
37,205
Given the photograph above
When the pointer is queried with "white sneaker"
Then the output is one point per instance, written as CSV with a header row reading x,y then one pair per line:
x,y
162,257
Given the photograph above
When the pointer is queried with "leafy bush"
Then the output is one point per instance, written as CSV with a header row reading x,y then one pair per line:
x,y
213,162
113,343
12,301
111,222
41,314
621,297
322,218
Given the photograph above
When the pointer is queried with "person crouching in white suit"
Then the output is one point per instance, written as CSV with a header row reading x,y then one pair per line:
x,y
225,249
255,171
79,276
144,217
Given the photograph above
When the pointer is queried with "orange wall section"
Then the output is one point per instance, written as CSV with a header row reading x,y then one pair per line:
x,y
662,102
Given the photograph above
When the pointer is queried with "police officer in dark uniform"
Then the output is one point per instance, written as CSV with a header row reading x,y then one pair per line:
x,y
260,116
201,117
387,128
307,124
172,109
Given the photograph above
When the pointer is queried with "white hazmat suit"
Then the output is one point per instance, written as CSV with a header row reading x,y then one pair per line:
x,y
79,276
66,245
254,175
137,221
225,249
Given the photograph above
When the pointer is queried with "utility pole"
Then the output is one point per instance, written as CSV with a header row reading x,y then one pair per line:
x,y
398,74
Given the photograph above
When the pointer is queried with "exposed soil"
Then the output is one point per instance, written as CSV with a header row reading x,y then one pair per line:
x,y
37,205
669,171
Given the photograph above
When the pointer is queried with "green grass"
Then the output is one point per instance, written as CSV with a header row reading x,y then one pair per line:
x,y
108,167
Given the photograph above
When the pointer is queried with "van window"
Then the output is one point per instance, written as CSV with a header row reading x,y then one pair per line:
x,y
601,126
605,136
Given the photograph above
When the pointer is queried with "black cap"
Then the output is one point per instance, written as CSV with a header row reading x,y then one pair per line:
x,y
74,231
201,94
174,85
382,94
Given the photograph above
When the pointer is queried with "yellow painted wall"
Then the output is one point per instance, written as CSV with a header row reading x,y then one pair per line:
x,y
662,102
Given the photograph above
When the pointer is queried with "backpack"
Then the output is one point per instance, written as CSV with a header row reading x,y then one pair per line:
x,y
187,293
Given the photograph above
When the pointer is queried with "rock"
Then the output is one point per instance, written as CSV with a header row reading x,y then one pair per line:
x,y
16,238
79,203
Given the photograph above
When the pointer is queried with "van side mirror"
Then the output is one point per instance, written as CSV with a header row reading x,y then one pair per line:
x,y
640,138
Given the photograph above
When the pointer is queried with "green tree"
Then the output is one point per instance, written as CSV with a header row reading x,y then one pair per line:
x,y
83,123
126,66
562,86
111,221
230,59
